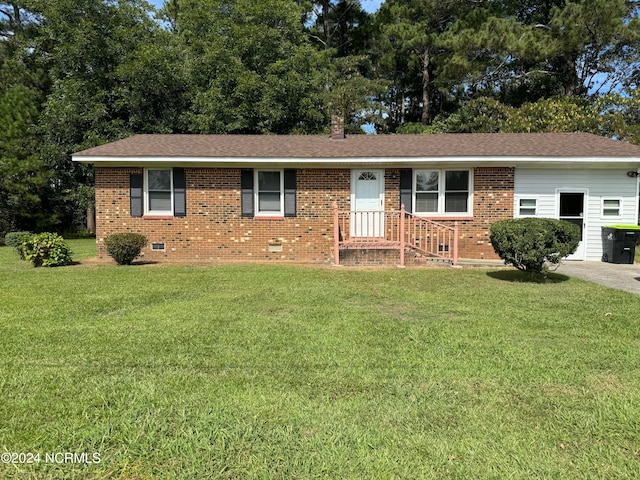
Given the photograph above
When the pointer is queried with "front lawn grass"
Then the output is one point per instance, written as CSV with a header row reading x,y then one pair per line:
x,y
287,372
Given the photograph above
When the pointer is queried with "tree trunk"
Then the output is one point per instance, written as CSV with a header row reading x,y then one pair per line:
x,y
426,85
326,24
17,20
570,81
91,220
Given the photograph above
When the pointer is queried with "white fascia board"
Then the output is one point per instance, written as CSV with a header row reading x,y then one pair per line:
x,y
389,162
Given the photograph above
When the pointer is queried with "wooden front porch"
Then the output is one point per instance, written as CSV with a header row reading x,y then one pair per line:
x,y
394,230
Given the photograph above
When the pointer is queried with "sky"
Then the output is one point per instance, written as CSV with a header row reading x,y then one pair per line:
x,y
368,5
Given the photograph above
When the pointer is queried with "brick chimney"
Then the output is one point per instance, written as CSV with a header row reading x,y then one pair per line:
x,y
337,127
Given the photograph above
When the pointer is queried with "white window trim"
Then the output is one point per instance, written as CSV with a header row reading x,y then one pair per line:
x,y
256,195
517,206
602,208
146,193
441,193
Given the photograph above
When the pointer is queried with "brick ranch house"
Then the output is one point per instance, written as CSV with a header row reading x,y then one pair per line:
x,y
330,199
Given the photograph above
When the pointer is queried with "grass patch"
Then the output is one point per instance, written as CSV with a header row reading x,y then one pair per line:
x,y
287,372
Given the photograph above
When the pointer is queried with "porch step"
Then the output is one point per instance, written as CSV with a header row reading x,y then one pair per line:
x,y
420,259
360,245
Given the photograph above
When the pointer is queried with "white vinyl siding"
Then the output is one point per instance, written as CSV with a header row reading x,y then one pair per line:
x,y
544,184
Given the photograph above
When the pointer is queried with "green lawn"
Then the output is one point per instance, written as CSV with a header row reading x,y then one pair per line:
x,y
288,372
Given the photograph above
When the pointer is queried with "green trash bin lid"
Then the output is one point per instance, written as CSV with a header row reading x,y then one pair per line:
x,y
623,227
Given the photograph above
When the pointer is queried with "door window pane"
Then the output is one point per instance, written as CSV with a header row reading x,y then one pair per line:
x,y
367,176
571,204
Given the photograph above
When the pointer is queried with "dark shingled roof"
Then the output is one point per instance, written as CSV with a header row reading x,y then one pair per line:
x,y
366,146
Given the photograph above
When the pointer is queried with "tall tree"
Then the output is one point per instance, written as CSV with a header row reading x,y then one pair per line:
x,y
93,47
339,25
411,39
343,31
25,185
541,48
250,67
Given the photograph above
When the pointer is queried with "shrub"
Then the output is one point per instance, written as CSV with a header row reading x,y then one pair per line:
x,y
124,247
15,239
530,243
46,250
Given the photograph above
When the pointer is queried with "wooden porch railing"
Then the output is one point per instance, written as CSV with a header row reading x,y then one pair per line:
x,y
393,229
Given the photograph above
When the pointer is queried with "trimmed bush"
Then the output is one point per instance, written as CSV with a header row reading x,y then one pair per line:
x,y
124,247
530,243
15,239
46,250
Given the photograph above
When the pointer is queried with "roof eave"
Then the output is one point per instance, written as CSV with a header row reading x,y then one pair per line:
x,y
346,162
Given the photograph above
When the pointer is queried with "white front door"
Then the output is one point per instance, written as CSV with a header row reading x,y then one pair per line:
x,y
572,208
367,203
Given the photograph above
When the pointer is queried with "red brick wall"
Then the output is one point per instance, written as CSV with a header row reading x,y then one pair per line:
x,y
214,231
492,200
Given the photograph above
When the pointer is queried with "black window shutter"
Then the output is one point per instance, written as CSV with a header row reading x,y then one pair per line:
x,y
135,195
179,192
289,193
246,198
406,187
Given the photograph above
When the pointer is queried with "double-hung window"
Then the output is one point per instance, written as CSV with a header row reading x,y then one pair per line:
x,y
268,193
269,188
158,192
442,192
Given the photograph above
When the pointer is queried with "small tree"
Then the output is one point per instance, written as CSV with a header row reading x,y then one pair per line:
x,y
530,243
124,247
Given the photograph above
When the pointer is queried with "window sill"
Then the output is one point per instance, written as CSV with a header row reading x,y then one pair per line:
x,y
447,218
268,217
158,217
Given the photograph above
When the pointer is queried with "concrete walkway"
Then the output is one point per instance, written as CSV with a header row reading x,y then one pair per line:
x,y
621,276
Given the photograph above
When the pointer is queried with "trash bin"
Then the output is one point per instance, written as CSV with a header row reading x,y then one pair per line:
x,y
619,243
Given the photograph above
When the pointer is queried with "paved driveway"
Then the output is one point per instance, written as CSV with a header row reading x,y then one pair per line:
x,y
620,276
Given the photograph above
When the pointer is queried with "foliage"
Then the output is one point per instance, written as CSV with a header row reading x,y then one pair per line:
x,y
24,176
15,240
124,247
530,243
46,250
614,115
